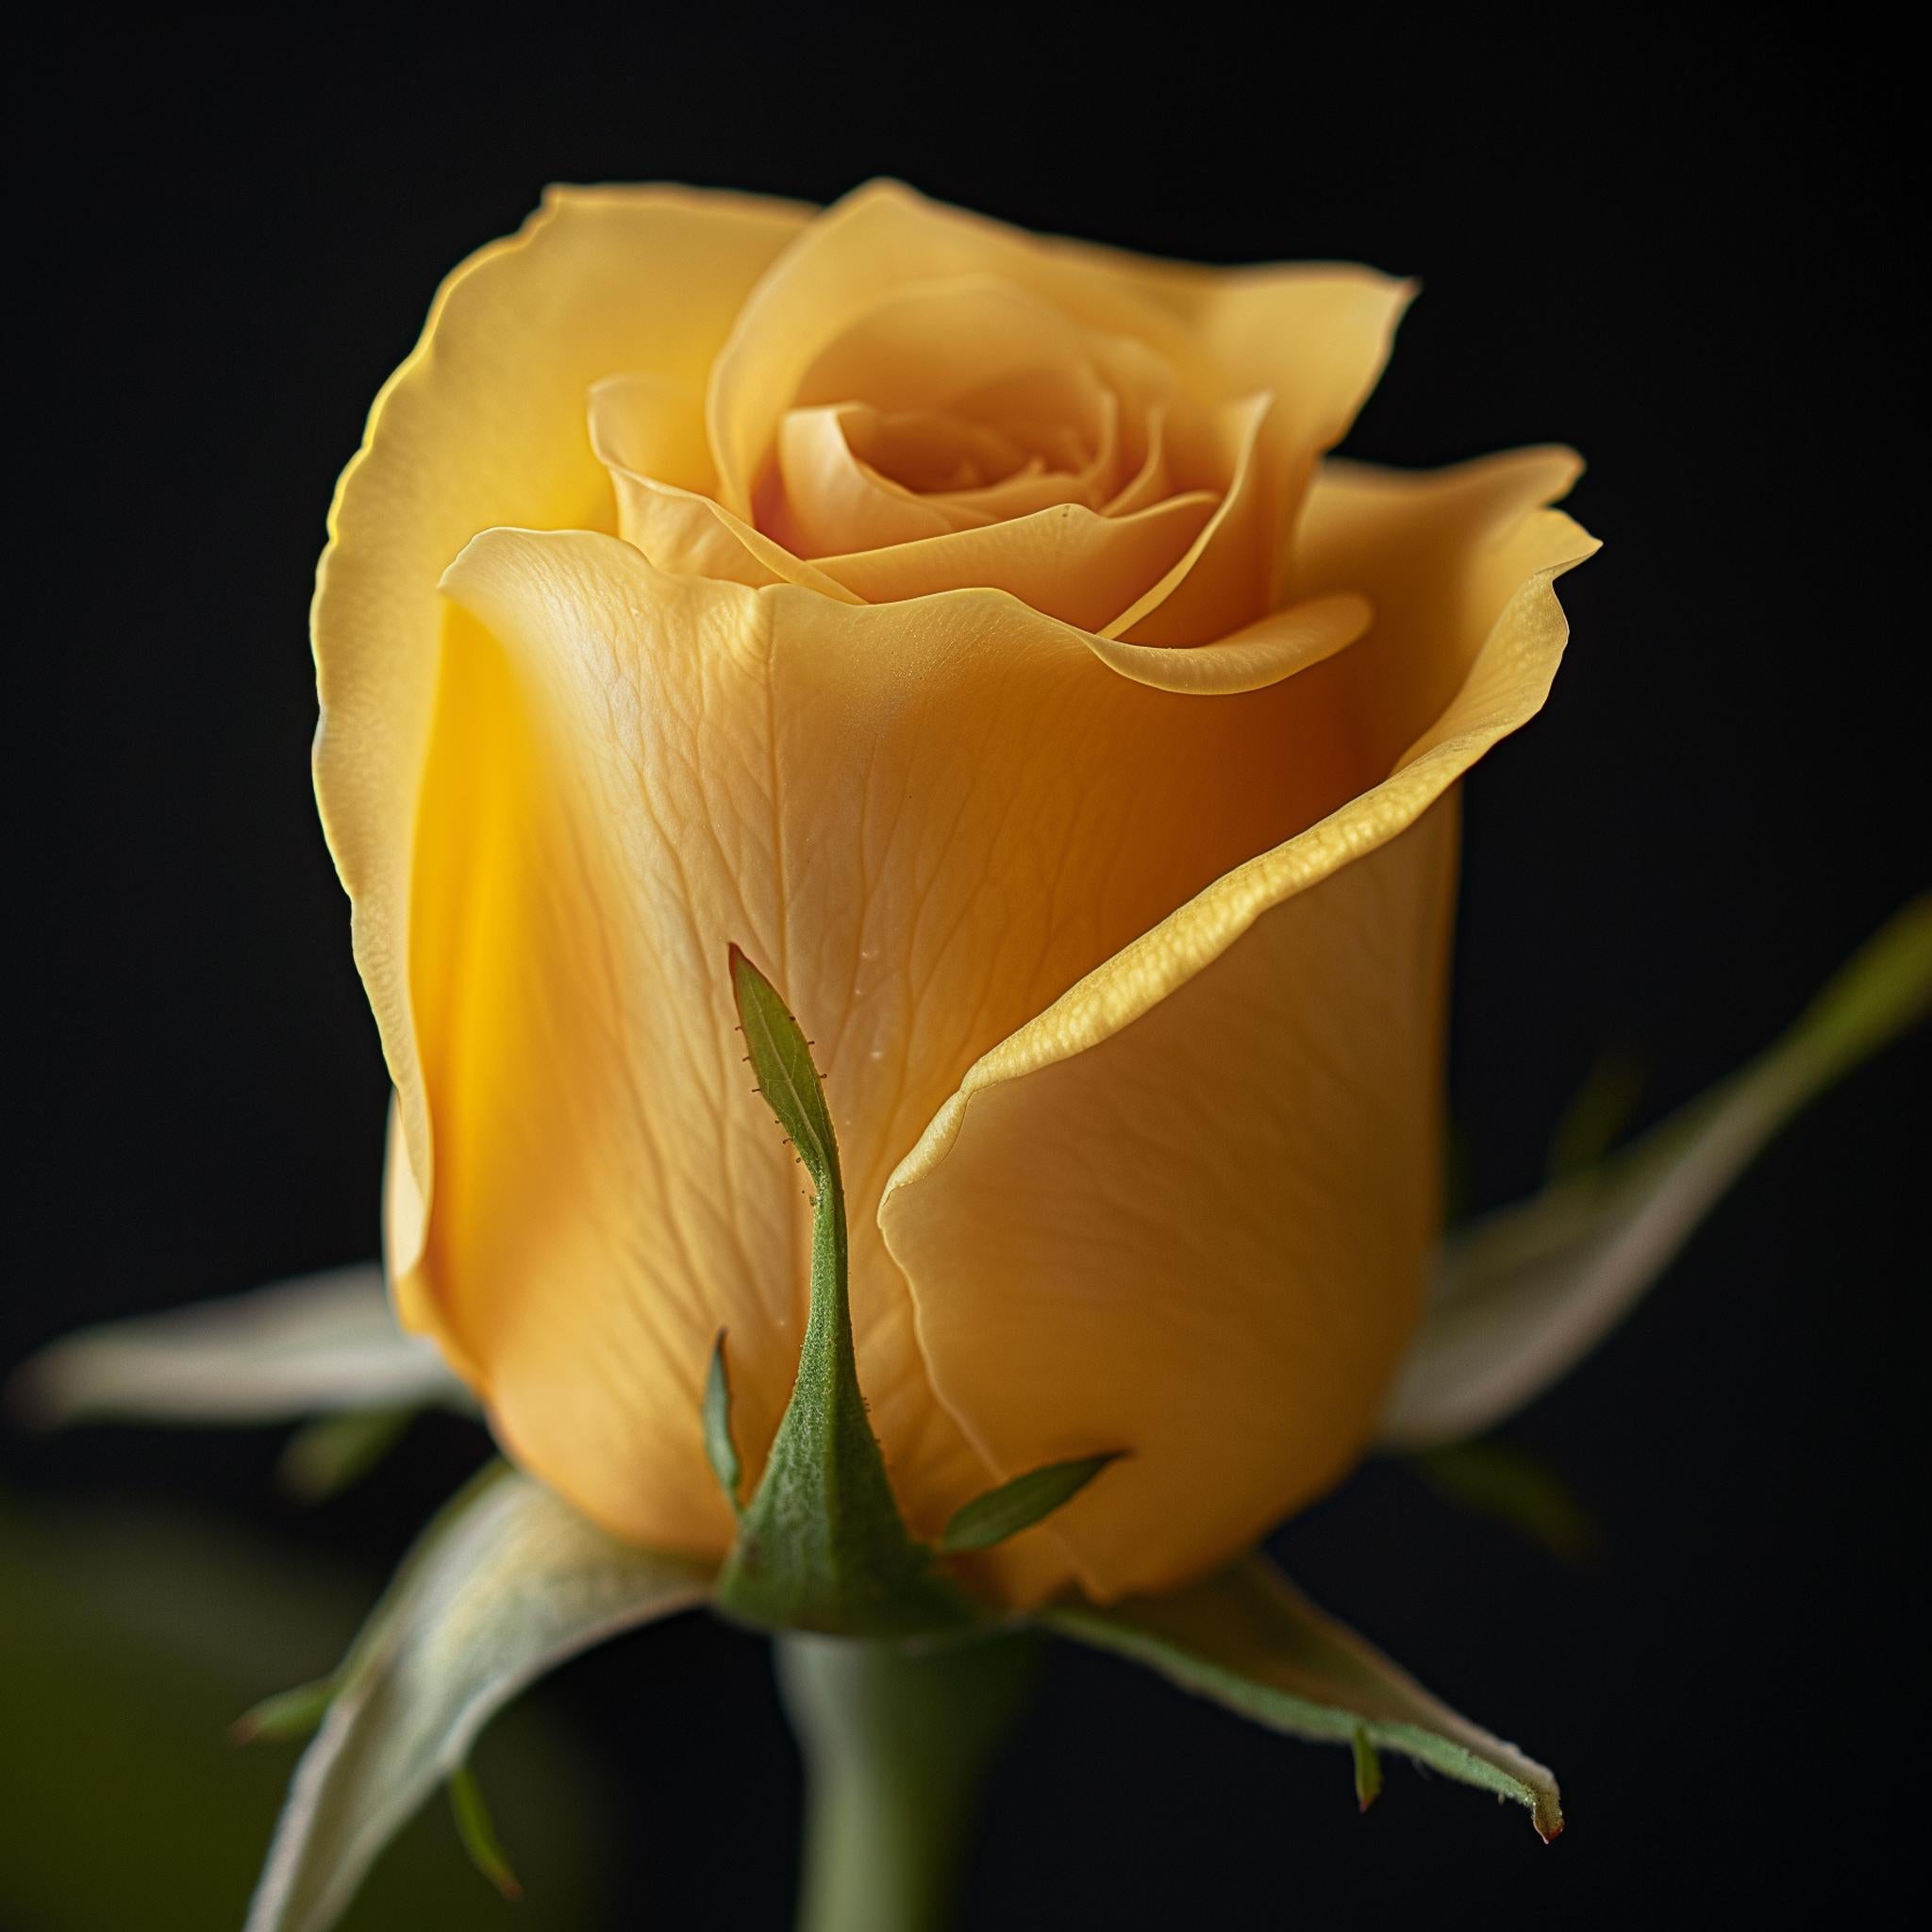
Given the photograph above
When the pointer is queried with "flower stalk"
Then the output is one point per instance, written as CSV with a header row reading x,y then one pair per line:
x,y
897,1742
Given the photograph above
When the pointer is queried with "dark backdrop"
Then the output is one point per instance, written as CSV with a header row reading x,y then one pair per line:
x,y
1691,266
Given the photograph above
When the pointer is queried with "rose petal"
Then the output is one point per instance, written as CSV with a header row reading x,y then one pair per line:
x,y
1221,582
926,819
846,467
484,424
1068,562
872,250
1264,652
835,502
680,526
1310,337
1187,1210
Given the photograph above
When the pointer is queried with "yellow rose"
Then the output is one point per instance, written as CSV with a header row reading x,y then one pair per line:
x,y
967,625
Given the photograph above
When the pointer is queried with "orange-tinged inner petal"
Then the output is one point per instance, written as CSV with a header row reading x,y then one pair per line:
x,y
826,324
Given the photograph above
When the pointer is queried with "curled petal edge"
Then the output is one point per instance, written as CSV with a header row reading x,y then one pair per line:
x,y
1262,654
1504,688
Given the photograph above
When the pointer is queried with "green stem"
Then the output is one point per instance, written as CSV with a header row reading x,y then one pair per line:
x,y
896,1741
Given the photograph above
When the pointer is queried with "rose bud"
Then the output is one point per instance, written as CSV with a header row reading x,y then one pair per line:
x,y
969,626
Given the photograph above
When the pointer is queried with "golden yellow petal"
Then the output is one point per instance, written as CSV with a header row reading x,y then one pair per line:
x,y
484,425
1152,478
1220,584
1312,336
928,820
638,432
1430,549
833,502
1263,653
1068,562
1185,1212
855,476
874,250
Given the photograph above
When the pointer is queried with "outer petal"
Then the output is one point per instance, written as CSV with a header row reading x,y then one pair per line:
x,y
926,819
1186,1211
484,425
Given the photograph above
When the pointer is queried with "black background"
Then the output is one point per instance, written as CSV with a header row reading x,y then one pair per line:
x,y
1690,265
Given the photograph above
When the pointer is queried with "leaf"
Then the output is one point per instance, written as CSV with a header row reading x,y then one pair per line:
x,y
1601,1110
1513,1488
721,1451
322,1343
333,1452
820,1546
1523,1294
1020,1503
1248,1640
507,1582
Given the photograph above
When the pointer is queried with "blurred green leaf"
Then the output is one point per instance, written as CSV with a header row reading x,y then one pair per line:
x,y
1604,1106
335,1452
1512,1487
1248,1640
1523,1294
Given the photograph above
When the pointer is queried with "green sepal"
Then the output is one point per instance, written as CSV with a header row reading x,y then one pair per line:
x,y
1018,1505
335,1452
1368,1768
477,1831
505,1584
1524,1293
1595,1119
821,1544
721,1451
287,1715
1248,1640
